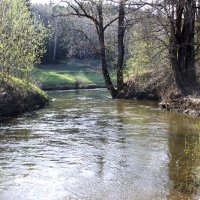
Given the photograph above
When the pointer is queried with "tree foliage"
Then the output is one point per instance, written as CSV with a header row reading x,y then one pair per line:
x,y
150,35
67,38
21,39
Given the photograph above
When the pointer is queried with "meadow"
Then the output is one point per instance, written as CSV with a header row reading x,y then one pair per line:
x,y
76,73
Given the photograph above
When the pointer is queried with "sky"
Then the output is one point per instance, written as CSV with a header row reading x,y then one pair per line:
x,y
43,1
40,1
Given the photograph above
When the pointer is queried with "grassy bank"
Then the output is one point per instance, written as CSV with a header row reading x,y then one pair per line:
x,y
17,96
77,73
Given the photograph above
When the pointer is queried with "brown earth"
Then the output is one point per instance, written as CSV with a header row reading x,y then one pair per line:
x,y
160,86
19,98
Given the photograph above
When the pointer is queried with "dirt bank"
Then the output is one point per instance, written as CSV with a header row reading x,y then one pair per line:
x,y
17,97
160,86
150,85
187,105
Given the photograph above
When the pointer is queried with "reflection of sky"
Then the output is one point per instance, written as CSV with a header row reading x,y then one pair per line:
x,y
88,146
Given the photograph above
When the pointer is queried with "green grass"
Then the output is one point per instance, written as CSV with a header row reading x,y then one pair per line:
x,y
68,74
23,87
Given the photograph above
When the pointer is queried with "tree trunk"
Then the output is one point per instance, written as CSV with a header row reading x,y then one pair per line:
x,y
120,60
100,30
55,41
182,49
198,11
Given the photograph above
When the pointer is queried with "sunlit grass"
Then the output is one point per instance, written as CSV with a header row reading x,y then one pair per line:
x,y
23,87
67,75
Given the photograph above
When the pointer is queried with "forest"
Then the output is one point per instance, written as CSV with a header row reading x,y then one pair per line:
x,y
145,49
99,99
130,38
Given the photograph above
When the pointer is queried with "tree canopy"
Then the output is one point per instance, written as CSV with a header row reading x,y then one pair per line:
x,y
21,38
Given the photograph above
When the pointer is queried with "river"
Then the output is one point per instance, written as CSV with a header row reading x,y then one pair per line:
x,y
85,145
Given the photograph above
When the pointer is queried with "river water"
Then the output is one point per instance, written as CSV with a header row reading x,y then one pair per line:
x,y
85,145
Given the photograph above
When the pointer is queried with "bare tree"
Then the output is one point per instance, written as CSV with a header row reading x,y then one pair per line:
x,y
101,13
178,20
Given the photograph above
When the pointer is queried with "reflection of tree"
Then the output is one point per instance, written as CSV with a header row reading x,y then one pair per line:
x,y
100,165
184,164
120,113
120,106
117,155
77,92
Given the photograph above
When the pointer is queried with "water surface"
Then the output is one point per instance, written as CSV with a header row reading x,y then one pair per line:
x,y
85,145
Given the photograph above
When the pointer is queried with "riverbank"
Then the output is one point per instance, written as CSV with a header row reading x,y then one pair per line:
x,y
17,97
186,105
157,85
160,86
148,85
89,86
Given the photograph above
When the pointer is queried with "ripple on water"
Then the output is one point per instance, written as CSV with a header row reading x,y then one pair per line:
x,y
88,146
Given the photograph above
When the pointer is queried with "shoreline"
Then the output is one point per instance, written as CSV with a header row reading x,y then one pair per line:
x,y
45,88
17,97
33,100
186,105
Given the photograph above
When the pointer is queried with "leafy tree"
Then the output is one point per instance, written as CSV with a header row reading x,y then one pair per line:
x,y
21,39
147,47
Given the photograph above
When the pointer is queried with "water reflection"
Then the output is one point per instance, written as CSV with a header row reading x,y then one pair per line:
x,y
184,164
87,146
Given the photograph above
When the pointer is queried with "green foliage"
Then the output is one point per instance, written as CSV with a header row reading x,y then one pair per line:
x,y
21,39
139,59
146,51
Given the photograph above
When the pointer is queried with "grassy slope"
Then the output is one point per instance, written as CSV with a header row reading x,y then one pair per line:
x,y
17,96
24,88
66,75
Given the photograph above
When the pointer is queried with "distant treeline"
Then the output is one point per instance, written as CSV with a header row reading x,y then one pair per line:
x,y
67,38
128,36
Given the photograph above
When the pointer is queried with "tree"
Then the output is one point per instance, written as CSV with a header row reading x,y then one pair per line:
x,y
174,26
178,19
21,39
182,42
101,14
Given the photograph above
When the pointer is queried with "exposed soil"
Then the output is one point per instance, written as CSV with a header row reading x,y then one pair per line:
x,y
16,99
149,86
160,86
187,105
